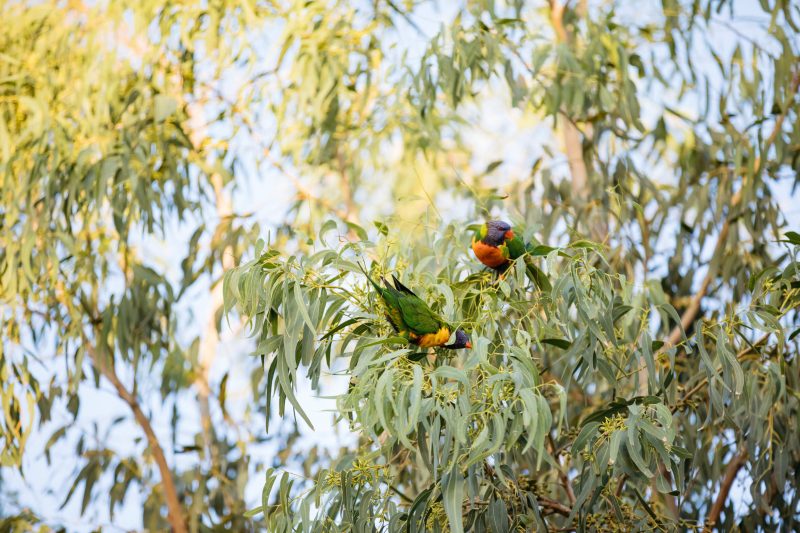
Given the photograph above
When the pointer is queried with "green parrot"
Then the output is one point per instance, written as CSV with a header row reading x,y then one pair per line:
x,y
496,245
412,319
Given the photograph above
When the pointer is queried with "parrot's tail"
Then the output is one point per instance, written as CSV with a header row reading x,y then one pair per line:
x,y
363,267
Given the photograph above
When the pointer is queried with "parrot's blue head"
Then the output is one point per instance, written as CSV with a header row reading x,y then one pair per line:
x,y
461,341
496,232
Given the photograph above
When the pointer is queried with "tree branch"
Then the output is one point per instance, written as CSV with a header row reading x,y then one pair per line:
x,y
544,501
557,20
573,144
174,509
690,313
209,342
725,487
554,506
209,339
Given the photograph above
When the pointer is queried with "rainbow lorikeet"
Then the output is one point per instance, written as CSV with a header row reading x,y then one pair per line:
x,y
496,245
412,319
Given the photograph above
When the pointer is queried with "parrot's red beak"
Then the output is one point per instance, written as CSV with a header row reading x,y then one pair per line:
x,y
510,234
468,346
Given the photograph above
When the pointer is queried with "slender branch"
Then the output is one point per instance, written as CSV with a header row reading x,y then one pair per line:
x,y
554,506
567,486
557,20
174,509
573,145
402,495
690,313
724,489
209,342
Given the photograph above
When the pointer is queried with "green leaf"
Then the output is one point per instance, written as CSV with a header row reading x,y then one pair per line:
x,y
253,512
417,356
542,428
301,306
792,237
340,327
619,312
382,228
681,452
417,510
559,343
329,225
614,442
492,166
358,230
288,391
498,515
656,345
587,432
586,244
646,506
634,452
541,249
452,497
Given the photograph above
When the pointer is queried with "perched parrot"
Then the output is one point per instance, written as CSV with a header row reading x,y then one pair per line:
x,y
496,246
412,319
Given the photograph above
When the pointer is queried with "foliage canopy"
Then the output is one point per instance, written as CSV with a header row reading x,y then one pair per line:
x,y
654,385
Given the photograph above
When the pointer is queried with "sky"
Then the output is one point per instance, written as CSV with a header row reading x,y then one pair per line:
x,y
497,130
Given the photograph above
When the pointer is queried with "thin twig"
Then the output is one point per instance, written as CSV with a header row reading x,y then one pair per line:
x,y
401,494
724,488
174,510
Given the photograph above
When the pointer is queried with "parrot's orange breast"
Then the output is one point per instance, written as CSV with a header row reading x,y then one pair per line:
x,y
491,256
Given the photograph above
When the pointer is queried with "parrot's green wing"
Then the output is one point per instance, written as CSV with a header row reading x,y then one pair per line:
x,y
418,316
393,312
406,311
516,247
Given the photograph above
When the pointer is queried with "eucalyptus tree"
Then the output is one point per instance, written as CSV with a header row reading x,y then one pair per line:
x,y
658,371
642,148
105,110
